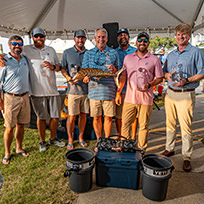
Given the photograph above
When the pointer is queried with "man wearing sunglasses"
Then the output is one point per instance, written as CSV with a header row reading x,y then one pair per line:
x,y
123,49
14,77
45,98
143,71
78,103
102,91
187,63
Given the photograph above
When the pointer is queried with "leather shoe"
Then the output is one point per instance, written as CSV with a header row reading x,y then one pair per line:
x,y
187,165
167,153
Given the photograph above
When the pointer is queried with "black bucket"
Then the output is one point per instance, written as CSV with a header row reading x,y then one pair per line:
x,y
157,165
79,165
156,172
154,188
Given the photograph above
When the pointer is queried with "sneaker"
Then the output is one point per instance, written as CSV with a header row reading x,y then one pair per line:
x,y
42,146
57,142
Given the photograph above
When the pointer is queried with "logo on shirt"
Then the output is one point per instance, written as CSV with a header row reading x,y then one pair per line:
x,y
146,63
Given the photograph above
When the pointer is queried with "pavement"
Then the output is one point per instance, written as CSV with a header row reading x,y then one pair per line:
x,y
183,188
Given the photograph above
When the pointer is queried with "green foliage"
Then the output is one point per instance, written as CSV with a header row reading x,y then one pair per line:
x,y
158,41
200,44
38,178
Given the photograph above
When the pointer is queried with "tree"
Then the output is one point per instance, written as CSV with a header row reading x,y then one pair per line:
x,y
158,42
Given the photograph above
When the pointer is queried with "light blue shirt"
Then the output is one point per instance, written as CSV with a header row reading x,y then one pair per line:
x,y
189,62
104,88
122,53
14,76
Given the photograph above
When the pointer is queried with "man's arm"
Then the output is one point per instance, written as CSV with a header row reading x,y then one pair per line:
x,y
53,67
191,79
2,62
151,84
66,75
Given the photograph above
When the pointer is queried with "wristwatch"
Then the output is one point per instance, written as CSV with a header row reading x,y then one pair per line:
x,y
149,85
187,81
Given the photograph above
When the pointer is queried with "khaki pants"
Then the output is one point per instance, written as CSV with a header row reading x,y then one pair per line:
x,y
180,105
130,111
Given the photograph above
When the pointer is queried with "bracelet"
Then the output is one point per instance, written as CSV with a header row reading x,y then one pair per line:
x,y
149,85
54,67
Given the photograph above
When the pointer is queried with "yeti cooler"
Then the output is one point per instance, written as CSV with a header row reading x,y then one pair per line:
x,y
117,169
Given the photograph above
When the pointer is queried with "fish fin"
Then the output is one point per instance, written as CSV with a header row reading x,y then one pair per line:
x,y
97,78
116,78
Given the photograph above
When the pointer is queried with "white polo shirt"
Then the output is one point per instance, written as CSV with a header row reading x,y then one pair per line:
x,y
43,80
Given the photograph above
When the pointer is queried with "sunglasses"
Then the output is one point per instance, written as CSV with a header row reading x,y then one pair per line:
x,y
17,43
144,40
38,35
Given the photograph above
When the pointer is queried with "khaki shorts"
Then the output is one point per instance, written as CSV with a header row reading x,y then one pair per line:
x,y
16,110
120,108
78,104
99,106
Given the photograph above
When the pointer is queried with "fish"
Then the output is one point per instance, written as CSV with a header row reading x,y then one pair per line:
x,y
93,72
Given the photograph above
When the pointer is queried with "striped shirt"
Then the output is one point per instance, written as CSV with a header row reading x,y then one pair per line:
x,y
103,88
14,77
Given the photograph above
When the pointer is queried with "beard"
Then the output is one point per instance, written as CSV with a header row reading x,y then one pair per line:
x,y
142,49
123,42
17,51
80,45
39,43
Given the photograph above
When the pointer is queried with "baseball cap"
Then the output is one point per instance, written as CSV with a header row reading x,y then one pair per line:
x,y
123,30
38,31
79,33
143,34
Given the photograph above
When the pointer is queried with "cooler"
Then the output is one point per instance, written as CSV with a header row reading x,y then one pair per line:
x,y
118,169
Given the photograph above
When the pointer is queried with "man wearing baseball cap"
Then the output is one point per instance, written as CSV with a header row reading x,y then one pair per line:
x,y
143,71
45,98
123,49
78,103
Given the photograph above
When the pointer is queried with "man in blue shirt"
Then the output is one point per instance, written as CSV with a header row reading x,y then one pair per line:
x,y
123,49
184,68
14,78
102,91
78,103
163,56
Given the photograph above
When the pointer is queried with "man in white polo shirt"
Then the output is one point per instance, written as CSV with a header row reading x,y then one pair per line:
x,y
45,98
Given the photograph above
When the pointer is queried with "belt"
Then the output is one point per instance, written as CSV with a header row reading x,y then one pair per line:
x,y
12,94
181,90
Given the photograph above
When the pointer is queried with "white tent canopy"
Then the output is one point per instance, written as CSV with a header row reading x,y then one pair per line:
x,y
60,18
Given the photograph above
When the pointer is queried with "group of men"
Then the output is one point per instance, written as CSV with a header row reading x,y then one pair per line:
x,y
131,104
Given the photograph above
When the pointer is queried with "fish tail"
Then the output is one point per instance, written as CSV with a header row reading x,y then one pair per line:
x,y
117,75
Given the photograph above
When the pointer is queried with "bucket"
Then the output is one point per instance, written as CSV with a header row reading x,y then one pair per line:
x,y
157,165
79,165
154,188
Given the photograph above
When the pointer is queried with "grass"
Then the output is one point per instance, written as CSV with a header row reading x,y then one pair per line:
x,y
38,178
